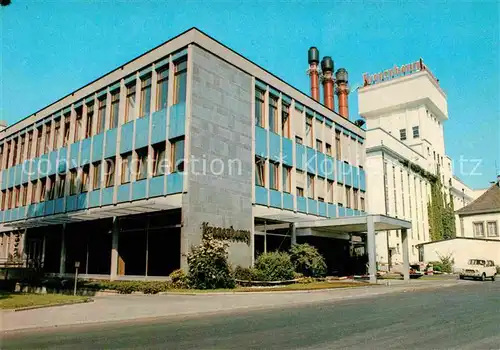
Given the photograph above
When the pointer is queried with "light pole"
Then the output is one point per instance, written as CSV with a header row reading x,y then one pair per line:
x,y
77,265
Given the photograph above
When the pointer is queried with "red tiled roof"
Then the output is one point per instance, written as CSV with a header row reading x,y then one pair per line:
x,y
489,201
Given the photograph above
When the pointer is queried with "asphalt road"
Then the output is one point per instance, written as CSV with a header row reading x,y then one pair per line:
x,y
462,317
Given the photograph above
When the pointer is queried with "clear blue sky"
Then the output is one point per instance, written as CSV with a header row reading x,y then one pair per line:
x,y
50,48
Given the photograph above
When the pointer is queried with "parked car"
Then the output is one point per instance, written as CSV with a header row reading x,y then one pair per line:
x,y
479,269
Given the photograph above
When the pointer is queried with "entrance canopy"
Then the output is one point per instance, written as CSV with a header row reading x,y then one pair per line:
x,y
137,207
368,224
356,224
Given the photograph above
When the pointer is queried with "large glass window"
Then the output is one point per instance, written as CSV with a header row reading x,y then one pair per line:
x,y
96,181
101,116
34,189
130,104
48,140
340,194
38,145
61,185
177,163
57,130
338,145
90,119
159,159
309,134
287,184
115,109
126,163
145,107
110,172
30,142
4,196
310,186
285,120
51,188
17,194
78,123
162,89
273,114
259,107
273,175
180,81
67,124
84,182
355,193
73,182
142,164
348,197
260,165
21,149
25,194
330,192
43,189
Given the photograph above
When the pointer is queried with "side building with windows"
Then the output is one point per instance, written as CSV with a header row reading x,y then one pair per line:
x,y
405,110
122,174
478,236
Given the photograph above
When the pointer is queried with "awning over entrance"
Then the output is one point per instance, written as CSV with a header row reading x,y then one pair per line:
x,y
138,207
368,224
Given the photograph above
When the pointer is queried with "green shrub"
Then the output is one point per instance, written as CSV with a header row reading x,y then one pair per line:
x,y
125,287
307,260
178,279
274,266
154,287
245,274
208,265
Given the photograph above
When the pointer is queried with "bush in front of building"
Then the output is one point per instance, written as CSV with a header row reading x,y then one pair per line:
x,y
208,265
274,266
245,274
307,260
178,279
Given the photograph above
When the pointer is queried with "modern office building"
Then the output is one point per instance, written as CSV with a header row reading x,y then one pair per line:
x,y
121,174
405,110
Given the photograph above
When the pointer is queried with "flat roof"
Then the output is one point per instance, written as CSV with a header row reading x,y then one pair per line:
x,y
311,102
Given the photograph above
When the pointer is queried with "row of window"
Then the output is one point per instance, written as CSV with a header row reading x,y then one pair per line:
x,y
133,165
491,228
415,130
353,198
62,131
409,193
275,124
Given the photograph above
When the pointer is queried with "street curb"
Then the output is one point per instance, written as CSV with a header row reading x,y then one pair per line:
x,y
271,291
51,305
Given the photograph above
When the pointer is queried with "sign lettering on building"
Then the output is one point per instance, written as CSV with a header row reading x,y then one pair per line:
x,y
395,72
226,234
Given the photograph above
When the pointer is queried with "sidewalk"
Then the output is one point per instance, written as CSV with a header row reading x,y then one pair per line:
x,y
133,307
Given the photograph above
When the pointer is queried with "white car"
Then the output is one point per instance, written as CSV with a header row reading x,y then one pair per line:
x,y
479,269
